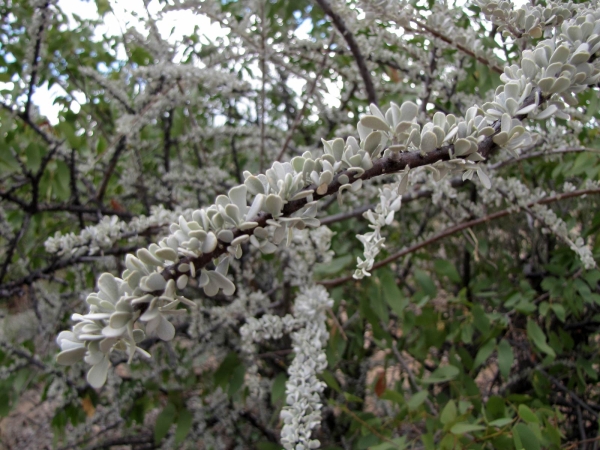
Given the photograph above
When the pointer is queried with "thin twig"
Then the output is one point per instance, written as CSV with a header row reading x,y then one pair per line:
x,y
572,394
121,146
263,57
460,47
411,377
13,246
12,287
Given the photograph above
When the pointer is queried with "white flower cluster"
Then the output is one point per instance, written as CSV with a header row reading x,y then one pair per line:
x,y
43,14
303,388
308,247
95,238
522,196
571,237
390,198
309,335
559,67
530,20
109,323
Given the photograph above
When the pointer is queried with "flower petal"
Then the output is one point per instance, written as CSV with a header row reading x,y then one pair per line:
x,y
165,330
97,374
71,356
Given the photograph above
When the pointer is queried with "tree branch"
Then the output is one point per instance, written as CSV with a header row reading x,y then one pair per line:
x,y
354,48
455,229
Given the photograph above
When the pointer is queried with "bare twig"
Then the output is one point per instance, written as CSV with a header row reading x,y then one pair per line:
x,y
12,287
263,96
121,146
13,246
460,47
411,377
568,391
429,79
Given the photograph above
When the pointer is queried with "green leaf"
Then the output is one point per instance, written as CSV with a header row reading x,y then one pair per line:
x,y
392,294
103,7
34,157
505,358
417,400
524,438
394,444
278,388
426,283
60,183
535,333
367,312
442,374
352,398
330,381
447,269
559,310
481,320
5,403
484,353
500,422
334,266
495,408
377,303
527,414
393,396
163,422
237,379
224,372
184,425
448,414
465,427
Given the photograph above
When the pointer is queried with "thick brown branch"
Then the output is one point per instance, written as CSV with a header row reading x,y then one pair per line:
x,y
354,48
36,56
383,166
121,146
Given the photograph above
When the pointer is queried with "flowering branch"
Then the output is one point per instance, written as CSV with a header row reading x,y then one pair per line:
x,y
460,227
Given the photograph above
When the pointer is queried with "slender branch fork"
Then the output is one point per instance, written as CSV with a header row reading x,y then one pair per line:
x,y
460,47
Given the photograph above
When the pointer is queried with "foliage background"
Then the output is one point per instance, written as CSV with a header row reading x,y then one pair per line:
x,y
486,338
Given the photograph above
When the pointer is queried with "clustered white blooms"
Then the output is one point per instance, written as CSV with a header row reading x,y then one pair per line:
x,y
532,20
308,330
43,14
390,198
95,238
308,247
110,320
518,193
